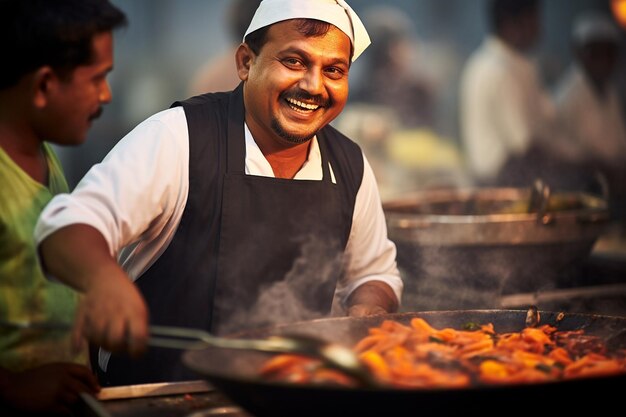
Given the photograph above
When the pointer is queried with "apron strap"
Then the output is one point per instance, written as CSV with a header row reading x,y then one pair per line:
x,y
321,142
236,143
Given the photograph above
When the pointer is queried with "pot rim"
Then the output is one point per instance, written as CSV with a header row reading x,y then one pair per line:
x,y
580,224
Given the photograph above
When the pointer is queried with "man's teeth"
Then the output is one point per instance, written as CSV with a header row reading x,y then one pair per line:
x,y
302,105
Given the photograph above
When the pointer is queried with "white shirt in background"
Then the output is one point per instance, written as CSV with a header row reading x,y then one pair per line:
x,y
594,124
503,107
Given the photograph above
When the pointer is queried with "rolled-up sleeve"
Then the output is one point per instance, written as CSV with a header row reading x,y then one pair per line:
x,y
371,256
137,192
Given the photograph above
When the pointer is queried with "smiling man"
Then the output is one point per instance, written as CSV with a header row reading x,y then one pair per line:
x,y
231,210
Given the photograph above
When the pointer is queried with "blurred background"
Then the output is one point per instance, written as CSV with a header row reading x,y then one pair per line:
x,y
412,132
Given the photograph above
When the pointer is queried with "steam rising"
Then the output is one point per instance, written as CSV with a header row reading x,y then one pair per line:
x,y
288,300
473,277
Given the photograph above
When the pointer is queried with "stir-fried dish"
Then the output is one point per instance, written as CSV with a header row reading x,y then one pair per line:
x,y
420,356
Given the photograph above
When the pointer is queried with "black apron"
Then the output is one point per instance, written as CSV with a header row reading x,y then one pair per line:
x,y
262,251
280,232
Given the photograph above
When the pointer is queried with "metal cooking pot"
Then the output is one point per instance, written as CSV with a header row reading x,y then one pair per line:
x,y
485,242
235,373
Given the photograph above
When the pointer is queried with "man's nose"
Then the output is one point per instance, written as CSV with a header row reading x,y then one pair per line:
x,y
312,82
105,93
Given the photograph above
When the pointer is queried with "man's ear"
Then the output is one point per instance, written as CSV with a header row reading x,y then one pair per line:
x,y
43,81
244,57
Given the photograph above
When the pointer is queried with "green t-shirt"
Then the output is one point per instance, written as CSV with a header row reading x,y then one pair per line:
x,y
25,293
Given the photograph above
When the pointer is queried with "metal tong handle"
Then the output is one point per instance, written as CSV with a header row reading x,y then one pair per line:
x,y
186,338
177,337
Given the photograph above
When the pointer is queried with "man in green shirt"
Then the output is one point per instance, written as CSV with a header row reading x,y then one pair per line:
x,y
52,85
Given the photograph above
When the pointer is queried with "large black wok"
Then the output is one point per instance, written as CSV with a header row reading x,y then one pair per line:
x,y
235,374
490,241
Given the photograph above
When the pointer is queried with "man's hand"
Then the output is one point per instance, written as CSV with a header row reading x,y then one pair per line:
x,y
113,314
52,388
372,298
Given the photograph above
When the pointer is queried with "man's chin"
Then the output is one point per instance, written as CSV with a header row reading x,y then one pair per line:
x,y
292,137
297,140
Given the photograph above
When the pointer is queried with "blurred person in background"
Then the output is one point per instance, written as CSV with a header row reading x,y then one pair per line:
x,y
589,106
508,120
231,210
390,75
392,108
51,89
220,73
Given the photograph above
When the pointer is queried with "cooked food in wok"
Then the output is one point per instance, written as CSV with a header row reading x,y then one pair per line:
x,y
418,355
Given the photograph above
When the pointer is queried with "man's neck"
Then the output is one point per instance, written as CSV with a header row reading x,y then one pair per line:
x,y
288,161
513,41
285,158
25,149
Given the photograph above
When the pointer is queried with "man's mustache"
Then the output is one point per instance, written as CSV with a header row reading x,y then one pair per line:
x,y
302,95
96,114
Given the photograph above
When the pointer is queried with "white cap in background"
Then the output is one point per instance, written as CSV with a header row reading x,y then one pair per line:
x,y
594,26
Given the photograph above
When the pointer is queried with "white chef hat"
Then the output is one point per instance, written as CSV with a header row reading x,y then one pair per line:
x,y
335,12
593,26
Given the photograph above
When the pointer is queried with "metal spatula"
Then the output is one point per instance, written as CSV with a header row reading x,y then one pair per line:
x,y
333,355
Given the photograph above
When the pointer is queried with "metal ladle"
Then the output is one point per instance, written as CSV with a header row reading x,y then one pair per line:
x,y
332,354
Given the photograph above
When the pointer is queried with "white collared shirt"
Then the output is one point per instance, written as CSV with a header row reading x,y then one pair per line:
x,y
136,197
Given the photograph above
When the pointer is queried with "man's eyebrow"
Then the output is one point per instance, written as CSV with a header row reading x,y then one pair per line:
x,y
104,71
304,54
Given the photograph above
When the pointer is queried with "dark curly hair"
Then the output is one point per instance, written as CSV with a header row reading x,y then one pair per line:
x,y
502,10
58,33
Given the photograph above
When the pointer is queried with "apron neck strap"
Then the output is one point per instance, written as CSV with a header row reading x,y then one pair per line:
x,y
321,142
236,143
